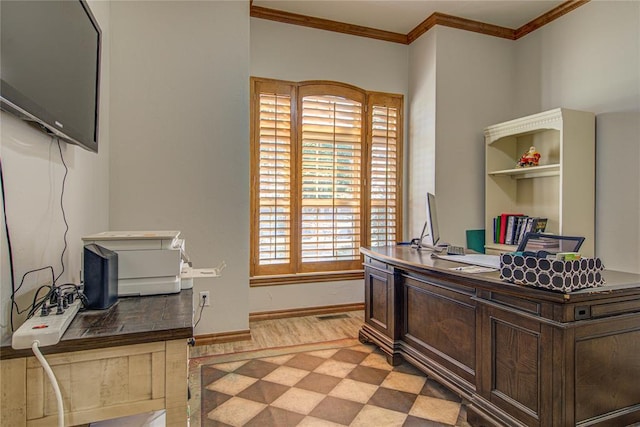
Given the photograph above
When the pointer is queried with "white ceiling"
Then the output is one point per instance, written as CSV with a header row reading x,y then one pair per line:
x,y
401,16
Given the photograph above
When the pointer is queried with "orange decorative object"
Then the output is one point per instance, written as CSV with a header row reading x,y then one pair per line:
x,y
530,158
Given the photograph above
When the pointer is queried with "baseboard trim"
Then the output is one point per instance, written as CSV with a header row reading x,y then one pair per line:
x,y
309,311
222,337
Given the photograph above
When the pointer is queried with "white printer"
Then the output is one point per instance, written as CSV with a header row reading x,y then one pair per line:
x,y
149,262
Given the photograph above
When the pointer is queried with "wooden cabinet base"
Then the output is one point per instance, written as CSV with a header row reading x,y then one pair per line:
x,y
368,335
98,385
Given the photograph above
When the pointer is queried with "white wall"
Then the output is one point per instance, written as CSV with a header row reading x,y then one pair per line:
x,y
587,59
618,191
33,174
474,88
289,52
180,137
590,60
421,144
461,82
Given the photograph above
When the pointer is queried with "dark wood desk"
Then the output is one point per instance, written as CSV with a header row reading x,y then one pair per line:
x,y
518,355
129,359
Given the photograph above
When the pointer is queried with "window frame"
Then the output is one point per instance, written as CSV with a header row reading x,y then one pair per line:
x,y
295,271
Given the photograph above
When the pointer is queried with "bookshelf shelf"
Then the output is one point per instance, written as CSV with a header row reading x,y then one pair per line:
x,y
561,189
530,172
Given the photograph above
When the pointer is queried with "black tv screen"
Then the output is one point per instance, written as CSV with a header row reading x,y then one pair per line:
x,y
50,67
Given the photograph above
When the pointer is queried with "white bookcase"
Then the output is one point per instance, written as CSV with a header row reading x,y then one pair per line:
x,y
561,188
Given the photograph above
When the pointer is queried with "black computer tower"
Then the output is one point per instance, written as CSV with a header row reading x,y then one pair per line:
x,y
100,276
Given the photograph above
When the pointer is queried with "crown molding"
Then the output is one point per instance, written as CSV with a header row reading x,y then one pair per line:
x,y
326,24
433,20
443,19
552,15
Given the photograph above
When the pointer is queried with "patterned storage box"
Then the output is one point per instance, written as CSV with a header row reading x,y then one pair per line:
x,y
562,276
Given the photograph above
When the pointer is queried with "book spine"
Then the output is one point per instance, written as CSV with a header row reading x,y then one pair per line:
x,y
503,228
504,221
495,224
518,231
540,225
508,239
528,227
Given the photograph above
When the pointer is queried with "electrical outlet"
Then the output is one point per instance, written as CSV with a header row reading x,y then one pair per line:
x,y
204,299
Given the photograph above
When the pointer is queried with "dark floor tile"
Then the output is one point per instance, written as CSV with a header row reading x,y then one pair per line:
x,y
368,375
337,410
263,391
256,368
209,375
305,362
394,400
209,400
433,388
349,356
272,416
412,421
407,368
319,383
206,422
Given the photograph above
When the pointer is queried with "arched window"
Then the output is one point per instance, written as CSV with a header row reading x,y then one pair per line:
x,y
326,176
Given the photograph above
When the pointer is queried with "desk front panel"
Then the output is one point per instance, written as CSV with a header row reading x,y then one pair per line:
x,y
440,321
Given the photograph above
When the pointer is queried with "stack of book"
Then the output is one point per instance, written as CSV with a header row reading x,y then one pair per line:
x,y
543,244
510,228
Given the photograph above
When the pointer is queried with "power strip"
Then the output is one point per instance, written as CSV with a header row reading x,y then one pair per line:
x,y
47,330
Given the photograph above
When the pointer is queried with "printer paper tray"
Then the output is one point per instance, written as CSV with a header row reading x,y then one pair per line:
x,y
149,286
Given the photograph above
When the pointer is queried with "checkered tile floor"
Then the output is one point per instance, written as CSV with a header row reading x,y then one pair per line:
x,y
351,386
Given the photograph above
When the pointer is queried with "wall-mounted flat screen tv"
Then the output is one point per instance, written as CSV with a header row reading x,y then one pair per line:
x,y
50,67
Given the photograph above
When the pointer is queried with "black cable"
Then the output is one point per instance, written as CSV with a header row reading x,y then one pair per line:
x,y
30,308
53,295
14,290
200,315
35,305
64,215
24,276
9,250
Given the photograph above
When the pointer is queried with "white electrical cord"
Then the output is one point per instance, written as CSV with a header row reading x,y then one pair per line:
x,y
52,379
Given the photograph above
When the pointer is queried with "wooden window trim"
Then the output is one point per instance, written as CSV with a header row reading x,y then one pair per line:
x,y
295,271
294,279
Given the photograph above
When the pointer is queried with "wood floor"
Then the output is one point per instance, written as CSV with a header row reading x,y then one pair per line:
x,y
290,331
344,383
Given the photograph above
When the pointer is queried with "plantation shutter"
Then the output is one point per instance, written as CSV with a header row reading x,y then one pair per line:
x,y
385,168
326,172
274,201
331,179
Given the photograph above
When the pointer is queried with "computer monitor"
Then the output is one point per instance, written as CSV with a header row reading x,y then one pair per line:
x,y
430,234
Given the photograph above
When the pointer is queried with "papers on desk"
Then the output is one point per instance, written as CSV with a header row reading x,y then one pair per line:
x,y
473,269
198,273
482,260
